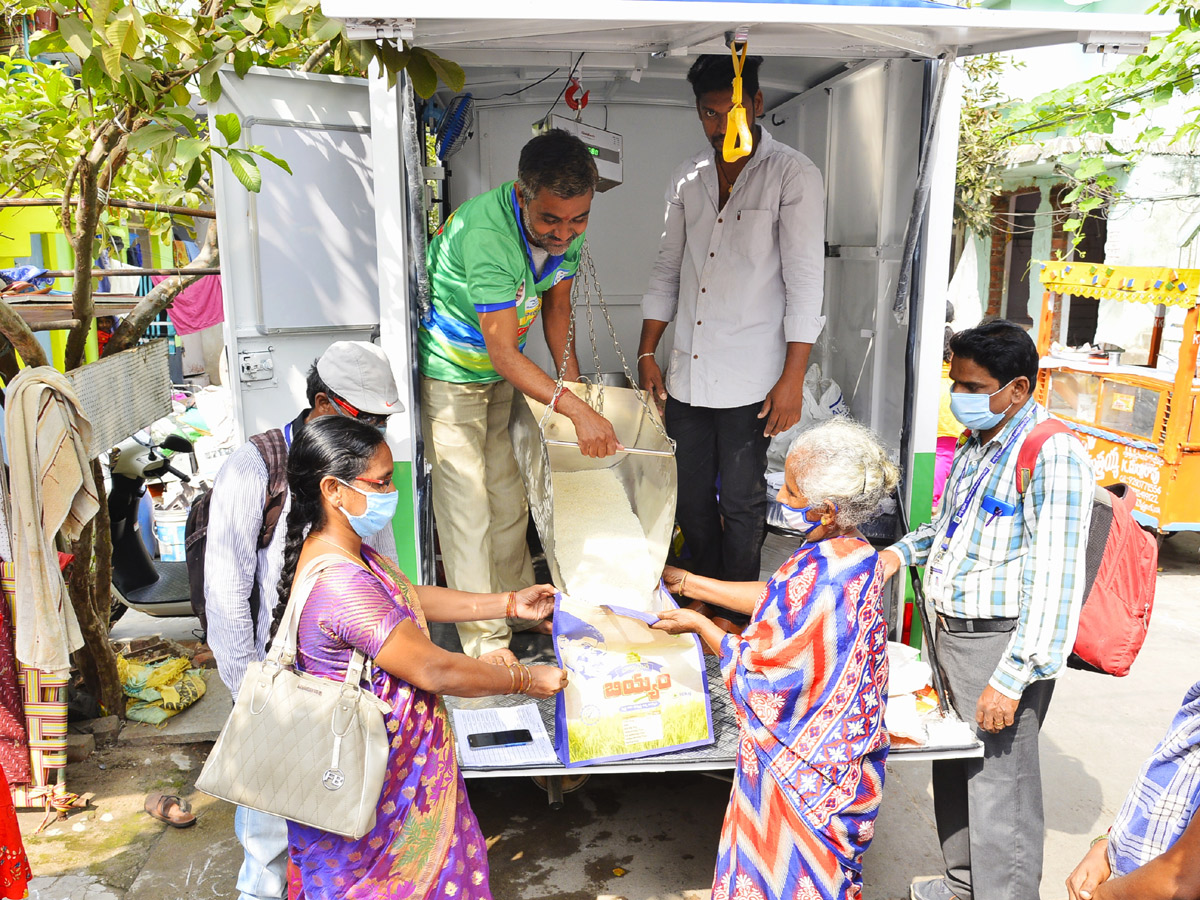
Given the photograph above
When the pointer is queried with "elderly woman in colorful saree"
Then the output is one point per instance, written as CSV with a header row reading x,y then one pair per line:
x,y
808,680
426,842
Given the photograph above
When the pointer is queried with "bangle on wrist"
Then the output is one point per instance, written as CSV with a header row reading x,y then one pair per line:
x,y
512,680
510,608
556,396
682,584
642,356
1099,838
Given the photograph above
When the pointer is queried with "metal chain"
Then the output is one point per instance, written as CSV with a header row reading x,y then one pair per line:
x,y
588,268
585,279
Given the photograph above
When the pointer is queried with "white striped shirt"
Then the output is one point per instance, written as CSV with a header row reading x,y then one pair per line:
x,y
233,561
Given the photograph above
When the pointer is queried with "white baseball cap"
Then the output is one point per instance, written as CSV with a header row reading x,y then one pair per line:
x,y
359,373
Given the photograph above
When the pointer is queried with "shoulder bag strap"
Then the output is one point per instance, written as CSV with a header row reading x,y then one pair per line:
x,y
283,648
1027,455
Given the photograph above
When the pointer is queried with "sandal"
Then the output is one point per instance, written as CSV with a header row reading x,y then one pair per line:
x,y
170,809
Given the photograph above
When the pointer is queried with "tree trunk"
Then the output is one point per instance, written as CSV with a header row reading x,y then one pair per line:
x,y
96,660
134,325
102,570
88,215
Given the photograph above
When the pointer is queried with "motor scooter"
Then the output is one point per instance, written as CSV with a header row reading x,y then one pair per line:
x,y
139,581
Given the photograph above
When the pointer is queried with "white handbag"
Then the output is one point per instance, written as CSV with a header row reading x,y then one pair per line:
x,y
300,746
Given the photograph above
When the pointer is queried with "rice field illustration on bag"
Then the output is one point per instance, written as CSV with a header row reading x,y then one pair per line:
x,y
632,691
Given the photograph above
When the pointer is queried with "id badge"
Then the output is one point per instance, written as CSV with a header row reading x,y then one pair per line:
x,y
935,578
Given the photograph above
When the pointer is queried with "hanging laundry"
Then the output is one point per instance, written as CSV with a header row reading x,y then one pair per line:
x,y
48,439
197,307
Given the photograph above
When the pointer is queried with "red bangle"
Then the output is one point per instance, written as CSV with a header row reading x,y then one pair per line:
x,y
510,609
558,392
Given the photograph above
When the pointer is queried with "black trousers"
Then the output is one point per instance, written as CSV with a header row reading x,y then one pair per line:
x,y
724,527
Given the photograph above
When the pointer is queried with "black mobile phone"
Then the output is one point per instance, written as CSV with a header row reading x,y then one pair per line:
x,y
499,738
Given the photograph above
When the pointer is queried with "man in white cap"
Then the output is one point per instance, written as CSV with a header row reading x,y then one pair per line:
x,y
244,556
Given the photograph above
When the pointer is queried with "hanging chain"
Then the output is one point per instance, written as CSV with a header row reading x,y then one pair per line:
x,y
581,288
587,269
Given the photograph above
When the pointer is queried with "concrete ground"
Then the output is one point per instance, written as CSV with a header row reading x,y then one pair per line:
x,y
640,837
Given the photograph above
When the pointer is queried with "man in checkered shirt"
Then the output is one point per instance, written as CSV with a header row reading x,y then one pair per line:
x,y
1005,574
1152,851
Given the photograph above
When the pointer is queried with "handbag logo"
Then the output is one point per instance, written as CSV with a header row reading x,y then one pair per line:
x,y
333,779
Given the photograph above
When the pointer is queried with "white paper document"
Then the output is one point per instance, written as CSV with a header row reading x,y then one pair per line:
x,y
539,752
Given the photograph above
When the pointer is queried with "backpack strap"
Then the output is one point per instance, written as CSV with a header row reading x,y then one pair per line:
x,y
272,447
1031,446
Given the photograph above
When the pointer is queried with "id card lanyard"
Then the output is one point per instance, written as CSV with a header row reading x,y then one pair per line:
x,y
937,573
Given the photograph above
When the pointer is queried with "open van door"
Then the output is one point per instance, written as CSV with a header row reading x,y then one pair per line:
x,y
299,261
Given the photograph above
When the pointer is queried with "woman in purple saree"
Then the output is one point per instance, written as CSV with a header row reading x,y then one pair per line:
x,y
426,842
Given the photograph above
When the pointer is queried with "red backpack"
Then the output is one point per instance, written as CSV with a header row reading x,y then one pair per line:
x,y
1120,566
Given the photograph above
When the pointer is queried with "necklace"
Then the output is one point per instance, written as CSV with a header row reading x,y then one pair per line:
x,y
317,537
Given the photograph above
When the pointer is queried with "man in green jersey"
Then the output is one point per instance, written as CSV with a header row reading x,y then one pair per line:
x,y
501,258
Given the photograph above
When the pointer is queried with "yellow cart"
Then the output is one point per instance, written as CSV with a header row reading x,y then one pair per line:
x,y
1140,424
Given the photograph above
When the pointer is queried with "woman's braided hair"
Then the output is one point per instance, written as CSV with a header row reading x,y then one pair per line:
x,y
329,445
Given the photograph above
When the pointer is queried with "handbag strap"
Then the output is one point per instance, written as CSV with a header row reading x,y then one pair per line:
x,y
283,648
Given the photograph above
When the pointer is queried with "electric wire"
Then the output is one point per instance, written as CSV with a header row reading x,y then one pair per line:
x,y
520,90
565,84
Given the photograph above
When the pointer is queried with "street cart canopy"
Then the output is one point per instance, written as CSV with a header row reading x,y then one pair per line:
x,y
1137,284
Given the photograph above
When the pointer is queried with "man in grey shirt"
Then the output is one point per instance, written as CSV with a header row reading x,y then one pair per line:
x,y
740,270
351,378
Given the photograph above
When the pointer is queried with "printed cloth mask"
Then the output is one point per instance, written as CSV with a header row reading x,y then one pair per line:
x,y
795,519
380,510
974,411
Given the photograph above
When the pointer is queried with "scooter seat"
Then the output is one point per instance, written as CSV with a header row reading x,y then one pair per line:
x,y
169,596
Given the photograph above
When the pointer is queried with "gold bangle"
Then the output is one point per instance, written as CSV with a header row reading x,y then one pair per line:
x,y
683,583
510,608
512,680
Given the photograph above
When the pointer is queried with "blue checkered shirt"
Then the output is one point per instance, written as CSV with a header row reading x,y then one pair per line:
x,y
1027,566
1165,796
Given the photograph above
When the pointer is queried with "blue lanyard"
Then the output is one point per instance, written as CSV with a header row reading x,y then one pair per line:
x,y
553,263
287,435
984,472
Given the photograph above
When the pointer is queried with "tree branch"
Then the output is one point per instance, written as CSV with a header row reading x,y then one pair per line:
x,y
19,335
135,324
310,64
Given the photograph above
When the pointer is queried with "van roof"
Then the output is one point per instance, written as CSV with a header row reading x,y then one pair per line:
x,y
851,30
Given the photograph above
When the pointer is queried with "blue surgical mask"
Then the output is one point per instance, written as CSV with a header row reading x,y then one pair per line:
x,y
380,510
974,411
795,518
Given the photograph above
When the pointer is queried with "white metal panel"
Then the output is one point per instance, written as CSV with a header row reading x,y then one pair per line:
x,y
625,223
862,130
303,118
780,29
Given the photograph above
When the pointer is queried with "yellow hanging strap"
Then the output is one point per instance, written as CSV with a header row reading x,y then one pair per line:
x,y
739,141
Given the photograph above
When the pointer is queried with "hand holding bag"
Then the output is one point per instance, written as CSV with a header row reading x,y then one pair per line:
x,y
300,746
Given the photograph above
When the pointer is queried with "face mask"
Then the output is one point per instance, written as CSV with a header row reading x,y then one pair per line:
x,y
380,427
974,411
380,510
795,519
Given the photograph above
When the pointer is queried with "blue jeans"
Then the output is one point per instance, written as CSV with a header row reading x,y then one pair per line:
x,y
264,838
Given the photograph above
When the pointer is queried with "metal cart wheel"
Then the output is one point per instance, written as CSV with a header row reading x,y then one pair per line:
x,y
557,785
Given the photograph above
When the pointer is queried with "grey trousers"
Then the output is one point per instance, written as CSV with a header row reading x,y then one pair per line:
x,y
989,810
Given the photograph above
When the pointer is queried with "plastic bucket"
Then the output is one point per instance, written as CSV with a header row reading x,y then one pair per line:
x,y
168,528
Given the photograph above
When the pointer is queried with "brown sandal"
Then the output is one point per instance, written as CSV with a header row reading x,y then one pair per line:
x,y
170,809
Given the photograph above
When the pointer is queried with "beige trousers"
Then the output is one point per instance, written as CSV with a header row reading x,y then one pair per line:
x,y
478,497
